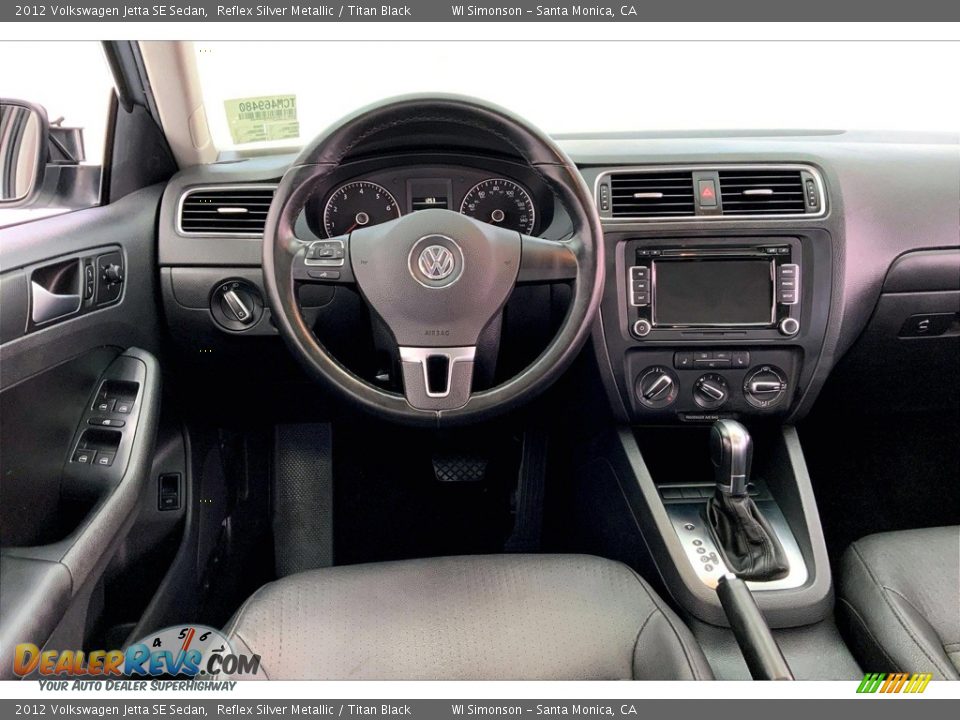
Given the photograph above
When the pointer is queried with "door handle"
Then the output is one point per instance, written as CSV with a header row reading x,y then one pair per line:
x,y
46,306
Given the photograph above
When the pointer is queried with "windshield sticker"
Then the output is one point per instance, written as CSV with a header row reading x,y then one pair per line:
x,y
262,119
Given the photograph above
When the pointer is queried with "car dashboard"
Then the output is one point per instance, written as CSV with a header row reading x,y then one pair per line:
x,y
728,292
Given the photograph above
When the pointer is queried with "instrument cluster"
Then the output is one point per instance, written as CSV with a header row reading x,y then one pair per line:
x,y
516,199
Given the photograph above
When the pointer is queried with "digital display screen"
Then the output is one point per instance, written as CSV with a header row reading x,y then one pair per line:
x,y
713,292
426,203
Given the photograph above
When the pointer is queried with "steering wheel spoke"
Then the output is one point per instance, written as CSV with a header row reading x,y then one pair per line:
x,y
436,378
323,261
546,261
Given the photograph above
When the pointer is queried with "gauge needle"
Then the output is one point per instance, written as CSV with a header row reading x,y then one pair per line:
x,y
351,228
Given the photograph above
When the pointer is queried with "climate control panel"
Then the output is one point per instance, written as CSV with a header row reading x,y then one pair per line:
x,y
706,384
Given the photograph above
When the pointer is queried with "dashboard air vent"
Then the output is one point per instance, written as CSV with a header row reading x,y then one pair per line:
x,y
652,194
225,210
762,192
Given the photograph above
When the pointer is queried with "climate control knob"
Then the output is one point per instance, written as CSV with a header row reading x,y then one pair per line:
x,y
765,386
710,391
657,387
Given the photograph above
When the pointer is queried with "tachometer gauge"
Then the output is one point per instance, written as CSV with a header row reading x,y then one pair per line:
x,y
356,205
500,202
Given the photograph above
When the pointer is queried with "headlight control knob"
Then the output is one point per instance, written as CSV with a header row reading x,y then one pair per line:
x,y
765,386
236,305
710,391
657,387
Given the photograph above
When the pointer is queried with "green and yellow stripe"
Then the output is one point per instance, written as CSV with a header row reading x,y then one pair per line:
x,y
894,682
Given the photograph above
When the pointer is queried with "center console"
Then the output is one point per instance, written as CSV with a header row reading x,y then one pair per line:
x,y
701,328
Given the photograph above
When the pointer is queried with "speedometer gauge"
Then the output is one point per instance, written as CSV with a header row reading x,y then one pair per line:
x,y
356,205
502,202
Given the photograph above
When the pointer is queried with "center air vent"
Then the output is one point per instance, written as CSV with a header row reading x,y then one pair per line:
x,y
707,193
225,210
652,194
762,192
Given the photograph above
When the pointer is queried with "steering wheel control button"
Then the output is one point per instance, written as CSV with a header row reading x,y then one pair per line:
x,y
436,261
765,386
642,328
328,253
657,387
710,391
324,274
789,326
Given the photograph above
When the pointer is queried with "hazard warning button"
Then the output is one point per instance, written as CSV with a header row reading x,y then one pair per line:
x,y
707,190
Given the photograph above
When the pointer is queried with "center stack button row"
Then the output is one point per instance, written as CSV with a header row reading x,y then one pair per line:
x,y
711,359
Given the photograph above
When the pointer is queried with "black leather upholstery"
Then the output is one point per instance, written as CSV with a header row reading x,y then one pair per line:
x,y
900,593
512,617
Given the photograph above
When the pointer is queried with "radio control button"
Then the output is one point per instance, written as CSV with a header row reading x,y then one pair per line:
x,y
788,284
789,326
642,328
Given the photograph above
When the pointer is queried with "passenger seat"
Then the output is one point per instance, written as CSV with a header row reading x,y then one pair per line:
x,y
900,599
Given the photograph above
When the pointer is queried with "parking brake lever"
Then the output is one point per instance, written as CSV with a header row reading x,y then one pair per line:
x,y
757,644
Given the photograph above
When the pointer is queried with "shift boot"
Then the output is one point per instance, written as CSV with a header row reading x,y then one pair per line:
x,y
750,547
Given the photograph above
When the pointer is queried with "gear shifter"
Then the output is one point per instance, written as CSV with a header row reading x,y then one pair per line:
x,y
749,545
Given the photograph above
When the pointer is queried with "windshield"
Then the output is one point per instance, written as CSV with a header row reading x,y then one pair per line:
x,y
582,87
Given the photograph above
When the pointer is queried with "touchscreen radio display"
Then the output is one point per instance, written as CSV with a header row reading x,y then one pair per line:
x,y
713,292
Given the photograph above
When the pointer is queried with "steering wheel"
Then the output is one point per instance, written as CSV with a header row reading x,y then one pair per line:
x,y
437,279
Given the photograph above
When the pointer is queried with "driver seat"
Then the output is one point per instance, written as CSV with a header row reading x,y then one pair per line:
x,y
503,617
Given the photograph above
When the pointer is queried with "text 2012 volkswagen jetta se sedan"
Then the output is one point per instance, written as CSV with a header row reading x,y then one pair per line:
x,y
430,394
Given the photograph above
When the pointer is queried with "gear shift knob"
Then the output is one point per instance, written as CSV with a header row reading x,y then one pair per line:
x,y
731,450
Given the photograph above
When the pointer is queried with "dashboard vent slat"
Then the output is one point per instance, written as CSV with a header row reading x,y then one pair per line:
x,y
225,210
653,194
762,192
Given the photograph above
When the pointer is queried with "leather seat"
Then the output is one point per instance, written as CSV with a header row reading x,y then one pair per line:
x,y
901,596
509,617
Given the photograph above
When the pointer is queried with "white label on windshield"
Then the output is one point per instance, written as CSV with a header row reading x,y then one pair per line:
x,y
262,119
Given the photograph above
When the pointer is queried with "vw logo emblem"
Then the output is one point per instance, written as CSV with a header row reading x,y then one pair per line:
x,y
436,262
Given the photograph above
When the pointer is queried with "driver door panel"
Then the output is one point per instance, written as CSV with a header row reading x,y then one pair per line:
x,y
63,520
